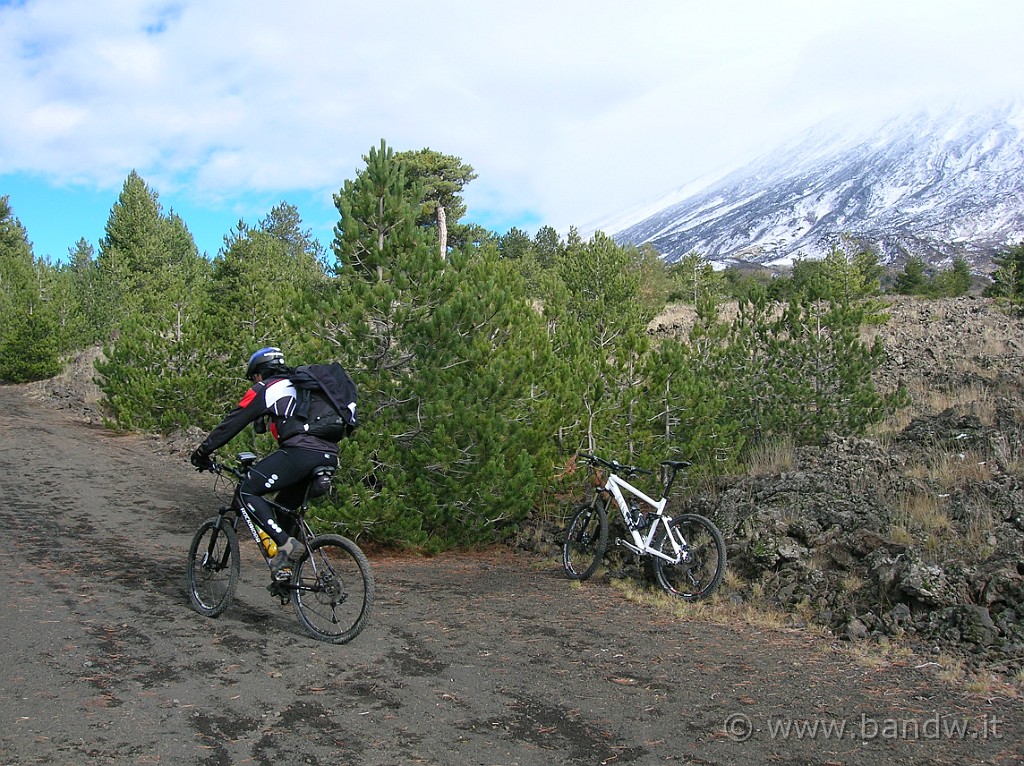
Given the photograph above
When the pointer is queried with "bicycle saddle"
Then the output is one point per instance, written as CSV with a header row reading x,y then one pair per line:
x,y
676,464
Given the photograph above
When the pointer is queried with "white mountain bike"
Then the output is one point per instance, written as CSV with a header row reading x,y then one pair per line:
x,y
687,552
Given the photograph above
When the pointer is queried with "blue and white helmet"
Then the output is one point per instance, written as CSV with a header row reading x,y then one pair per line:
x,y
266,360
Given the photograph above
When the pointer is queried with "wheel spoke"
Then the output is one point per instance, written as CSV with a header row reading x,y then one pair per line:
x,y
701,561
213,567
585,540
333,589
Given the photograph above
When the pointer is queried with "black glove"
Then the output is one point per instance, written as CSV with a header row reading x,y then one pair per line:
x,y
201,460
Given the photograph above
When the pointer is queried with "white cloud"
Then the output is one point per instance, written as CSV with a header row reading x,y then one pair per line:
x,y
570,110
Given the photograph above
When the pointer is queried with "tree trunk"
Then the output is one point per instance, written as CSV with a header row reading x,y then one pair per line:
x,y
442,232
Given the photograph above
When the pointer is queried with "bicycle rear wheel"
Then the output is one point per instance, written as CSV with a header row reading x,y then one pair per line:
x,y
586,537
702,562
333,589
213,567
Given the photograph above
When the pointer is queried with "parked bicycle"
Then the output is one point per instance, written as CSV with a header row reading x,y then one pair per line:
x,y
687,552
331,587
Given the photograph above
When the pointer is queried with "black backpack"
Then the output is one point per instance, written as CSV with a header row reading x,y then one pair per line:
x,y
325,404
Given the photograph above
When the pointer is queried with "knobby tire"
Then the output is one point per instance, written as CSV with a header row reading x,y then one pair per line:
x,y
213,567
333,589
586,538
701,571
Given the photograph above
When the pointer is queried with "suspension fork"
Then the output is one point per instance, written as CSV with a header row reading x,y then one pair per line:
x,y
211,548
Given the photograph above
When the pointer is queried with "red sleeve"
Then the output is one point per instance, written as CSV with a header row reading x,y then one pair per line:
x,y
251,407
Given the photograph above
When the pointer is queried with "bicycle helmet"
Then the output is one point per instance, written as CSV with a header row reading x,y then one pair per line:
x,y
266,361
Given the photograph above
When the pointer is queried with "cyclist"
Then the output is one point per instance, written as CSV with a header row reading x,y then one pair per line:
x,y
285,471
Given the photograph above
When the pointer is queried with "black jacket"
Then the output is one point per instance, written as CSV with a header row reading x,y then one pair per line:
x,y
274,398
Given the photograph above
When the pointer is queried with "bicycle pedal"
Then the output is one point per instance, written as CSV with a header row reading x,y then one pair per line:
x,y
282,575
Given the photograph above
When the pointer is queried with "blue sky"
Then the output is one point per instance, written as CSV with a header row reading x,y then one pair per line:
x,y
569,111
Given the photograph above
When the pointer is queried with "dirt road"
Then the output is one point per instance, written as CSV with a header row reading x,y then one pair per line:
x,y
483,659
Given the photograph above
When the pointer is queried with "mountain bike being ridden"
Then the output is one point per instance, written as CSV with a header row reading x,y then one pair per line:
x,y
687,552
330,584
272,397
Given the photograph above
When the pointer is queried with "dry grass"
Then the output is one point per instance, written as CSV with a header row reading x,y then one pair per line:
x,y
772,457
755,611
971,399
981,526
852,583
923,512
994,342
925,517
877,654
720,609
923,520
951,469
954,672
925,400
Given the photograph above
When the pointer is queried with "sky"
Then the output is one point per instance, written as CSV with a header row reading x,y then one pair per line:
x,y
570,111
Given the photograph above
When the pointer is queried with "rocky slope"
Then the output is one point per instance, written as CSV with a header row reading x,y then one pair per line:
x,y
916,533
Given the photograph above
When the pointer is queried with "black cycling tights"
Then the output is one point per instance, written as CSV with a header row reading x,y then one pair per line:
x,y
285,472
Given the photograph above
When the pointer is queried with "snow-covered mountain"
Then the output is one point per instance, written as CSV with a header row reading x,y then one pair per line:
x,y
936,184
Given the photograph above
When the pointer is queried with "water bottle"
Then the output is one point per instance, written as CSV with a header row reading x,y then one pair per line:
x,y
268,543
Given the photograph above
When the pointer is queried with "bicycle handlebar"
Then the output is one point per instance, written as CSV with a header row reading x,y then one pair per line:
x,y
614,465
219,468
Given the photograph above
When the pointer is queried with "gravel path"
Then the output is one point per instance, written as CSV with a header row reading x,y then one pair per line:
x,y
490,658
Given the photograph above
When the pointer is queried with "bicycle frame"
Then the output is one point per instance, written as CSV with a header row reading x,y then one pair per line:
x,y
250,522
241,511
641,544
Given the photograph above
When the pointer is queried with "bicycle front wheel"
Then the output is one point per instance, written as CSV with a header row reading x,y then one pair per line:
x,y
586,537
333,589
701,560
213,567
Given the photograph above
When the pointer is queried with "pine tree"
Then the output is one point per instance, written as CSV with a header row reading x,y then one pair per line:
x,y
954,281
694,277
688,406
912,280
153,372
258,277
379,211
132,250
444,352
89,320
809,373
600,331
1008,279
284,224
548,246
441,180
515,245
29,331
